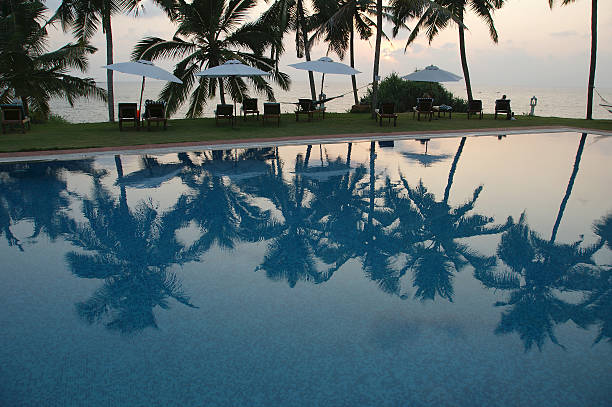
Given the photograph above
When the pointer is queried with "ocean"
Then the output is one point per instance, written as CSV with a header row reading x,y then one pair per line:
x,y
558,101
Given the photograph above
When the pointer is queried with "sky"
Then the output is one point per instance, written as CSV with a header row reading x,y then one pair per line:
x,y
537,46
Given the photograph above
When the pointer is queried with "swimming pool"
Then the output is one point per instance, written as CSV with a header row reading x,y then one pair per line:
x,y
451,271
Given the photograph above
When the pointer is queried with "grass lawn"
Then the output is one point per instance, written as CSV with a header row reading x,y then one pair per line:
x,y
55,135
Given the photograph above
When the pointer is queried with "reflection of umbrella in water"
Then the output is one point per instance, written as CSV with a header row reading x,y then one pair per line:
x,y
152,175
325,172
236,169
425,159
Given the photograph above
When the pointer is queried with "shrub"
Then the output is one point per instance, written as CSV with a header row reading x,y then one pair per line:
x,y
404,94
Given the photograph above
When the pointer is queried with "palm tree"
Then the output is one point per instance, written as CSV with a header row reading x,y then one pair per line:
x,y
28,71
284,16
338,21
84,17
591,86
379,30
436,15
209,33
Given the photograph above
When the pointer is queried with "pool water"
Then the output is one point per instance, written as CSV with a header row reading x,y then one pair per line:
x,y
454,271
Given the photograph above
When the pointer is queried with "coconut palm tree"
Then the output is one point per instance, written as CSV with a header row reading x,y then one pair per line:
x,y
29,71
85,17
337,22
209,33
284,16
436,15
379,31
591,85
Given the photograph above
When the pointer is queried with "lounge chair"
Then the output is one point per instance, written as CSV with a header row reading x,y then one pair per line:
x,y
14,114
271,111
128,112
424,106
305,106
249,106
224,112
387,111
155,112
503,106
474,107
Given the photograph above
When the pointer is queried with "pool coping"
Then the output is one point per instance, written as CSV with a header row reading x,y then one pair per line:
x,y
81,153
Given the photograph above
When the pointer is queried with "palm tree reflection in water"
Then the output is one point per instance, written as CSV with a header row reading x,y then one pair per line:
x,y
314,220
538,270
132,250
37,191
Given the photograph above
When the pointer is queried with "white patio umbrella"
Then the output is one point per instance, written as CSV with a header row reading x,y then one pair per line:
x,y
325,65
432,74
143,68
232,68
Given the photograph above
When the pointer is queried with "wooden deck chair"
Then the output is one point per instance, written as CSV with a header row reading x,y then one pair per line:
x,y
474,107
224,112
271,111
305,106
424,106
249,106
14,114
155,112
387,111
503,106
128,112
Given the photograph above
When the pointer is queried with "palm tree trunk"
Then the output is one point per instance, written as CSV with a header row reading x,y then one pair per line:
x,y
352,58
348,155
307,158
313,92
464,65
221,90
451,174
106,26
568,191
26,107
589,114
372,184
376,56
123,194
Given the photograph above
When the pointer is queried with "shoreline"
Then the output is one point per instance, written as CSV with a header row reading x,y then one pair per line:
x,y
76,153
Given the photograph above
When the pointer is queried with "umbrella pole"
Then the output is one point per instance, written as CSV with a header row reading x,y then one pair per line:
x,y
141,92
322,80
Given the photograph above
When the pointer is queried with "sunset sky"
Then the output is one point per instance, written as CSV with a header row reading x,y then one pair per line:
x,y
537,46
